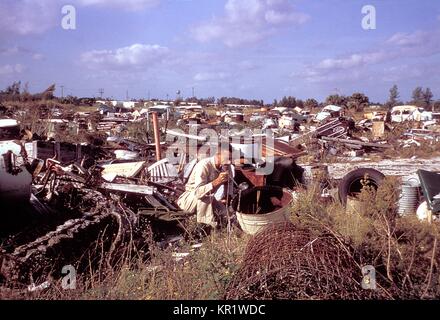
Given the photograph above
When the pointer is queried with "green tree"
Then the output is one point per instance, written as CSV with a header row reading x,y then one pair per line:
x,y
288,102
234,100
358,101
210,100
48,94
336,99
25,95
299,103
418,97
394,97
11,93
427,97
14,89
311,104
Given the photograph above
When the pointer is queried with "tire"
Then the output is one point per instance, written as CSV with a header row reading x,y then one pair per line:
x,y
351,183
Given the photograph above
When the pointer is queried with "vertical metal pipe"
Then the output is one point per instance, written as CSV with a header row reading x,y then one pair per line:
x,y
148,127
156,135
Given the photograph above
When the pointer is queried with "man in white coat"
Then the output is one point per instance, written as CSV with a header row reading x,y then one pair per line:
x,y
205,179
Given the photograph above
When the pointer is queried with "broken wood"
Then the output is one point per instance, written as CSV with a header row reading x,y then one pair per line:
x,y
156,136
355,142
129,188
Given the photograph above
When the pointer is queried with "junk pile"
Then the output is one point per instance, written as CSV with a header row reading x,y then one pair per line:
x,y
336,137
286,262
80,210
95,218
118,192
85,198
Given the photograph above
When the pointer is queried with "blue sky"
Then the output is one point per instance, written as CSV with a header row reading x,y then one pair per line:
x,y
261,49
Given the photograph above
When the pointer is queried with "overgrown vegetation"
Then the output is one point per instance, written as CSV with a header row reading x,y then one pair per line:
x,y
404,252
204,274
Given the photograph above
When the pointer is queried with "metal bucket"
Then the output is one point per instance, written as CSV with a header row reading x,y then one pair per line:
x,y
409,199
252,223
378,129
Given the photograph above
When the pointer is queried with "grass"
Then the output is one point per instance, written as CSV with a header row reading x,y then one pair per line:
x,y
404,251
204,274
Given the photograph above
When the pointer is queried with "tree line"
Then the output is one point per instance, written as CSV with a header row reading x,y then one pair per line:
x,y
421,97
357,101
18,93
15,92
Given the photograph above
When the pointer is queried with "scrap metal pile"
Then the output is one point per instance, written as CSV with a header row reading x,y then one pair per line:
x,y
101,202
80,211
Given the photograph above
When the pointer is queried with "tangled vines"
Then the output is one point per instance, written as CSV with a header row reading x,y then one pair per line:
x,y
286,262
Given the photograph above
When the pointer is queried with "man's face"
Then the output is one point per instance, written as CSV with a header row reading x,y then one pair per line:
x,y
225,157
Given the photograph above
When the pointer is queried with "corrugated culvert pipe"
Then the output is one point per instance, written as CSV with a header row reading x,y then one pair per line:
x,y
409,197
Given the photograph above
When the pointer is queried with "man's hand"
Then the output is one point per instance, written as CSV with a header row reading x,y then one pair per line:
x,y
222,178
276,202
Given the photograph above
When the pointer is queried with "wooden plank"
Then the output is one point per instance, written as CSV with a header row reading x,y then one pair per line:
x,y
129,188
389,167
127,170
189,136
355,142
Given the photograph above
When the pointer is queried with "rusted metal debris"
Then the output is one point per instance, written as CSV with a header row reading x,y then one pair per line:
x,y
286,262
355,143
113,188
94,211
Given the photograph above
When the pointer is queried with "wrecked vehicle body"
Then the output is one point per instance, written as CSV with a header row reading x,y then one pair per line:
x,y
15,179
429,209
409,113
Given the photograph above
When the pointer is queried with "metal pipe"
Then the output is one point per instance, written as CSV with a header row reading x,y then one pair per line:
x,y
156,136
189,136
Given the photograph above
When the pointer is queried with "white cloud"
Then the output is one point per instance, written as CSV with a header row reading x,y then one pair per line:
x,y
348,67
24,17
9,51
354,60
136,56
410,39
400,45
249,21
131,5
411,71
11,69
211,76
247,65
418,43
17,50
37,56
